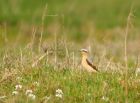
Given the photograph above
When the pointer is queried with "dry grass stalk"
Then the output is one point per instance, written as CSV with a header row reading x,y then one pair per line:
x,y
21,58
67,53
55,58
7,75
38,60
73,57
108,64
137,62
42,27
125,53
33,37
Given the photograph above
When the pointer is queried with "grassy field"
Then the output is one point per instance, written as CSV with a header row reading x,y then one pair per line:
x,y
40,58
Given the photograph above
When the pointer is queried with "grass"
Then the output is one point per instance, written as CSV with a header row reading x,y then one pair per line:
x,y
104,14
39,50
77,86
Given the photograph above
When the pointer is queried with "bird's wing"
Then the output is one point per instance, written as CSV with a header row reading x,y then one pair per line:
x,y
90,59
90,63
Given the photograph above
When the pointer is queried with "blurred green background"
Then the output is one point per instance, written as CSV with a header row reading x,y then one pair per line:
x,y
72,18
107,13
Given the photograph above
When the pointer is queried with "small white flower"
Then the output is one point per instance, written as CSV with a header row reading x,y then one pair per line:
x,y
59,91
18,87
15,93
28,92
105,98
137,71
32,96
36,84
59,95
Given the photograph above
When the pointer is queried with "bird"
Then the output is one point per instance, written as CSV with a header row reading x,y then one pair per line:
x,y
86,62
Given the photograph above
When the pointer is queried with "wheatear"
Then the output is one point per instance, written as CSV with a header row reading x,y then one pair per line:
x,y
86,63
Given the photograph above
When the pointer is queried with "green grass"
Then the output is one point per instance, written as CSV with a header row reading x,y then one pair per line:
x,y
77,86
71,16
104,14
98,24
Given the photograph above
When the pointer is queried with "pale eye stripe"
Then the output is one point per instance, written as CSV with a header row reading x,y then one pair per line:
x,y
85,50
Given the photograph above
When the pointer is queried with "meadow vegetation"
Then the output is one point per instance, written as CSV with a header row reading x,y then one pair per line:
x,y
40,58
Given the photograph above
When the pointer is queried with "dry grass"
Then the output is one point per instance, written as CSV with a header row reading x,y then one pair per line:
x,y
54,65
65,74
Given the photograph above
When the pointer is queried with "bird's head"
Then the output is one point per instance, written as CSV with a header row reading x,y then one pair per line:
x,y
84,52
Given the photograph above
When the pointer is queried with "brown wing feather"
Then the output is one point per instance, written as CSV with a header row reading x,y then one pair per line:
x,y
94,67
